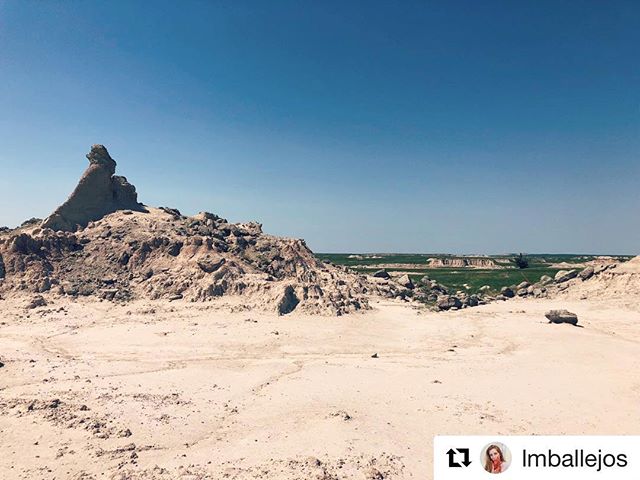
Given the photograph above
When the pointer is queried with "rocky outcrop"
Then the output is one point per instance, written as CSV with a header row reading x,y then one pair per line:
x,y
125,251
98,193
154,255
617,283
587,273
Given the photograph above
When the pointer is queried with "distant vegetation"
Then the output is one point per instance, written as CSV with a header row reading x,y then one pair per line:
x,y
521,261
466,279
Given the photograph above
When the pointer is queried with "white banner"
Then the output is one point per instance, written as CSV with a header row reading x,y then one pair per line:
x,y
536,457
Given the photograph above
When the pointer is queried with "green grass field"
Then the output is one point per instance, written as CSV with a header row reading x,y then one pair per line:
x,y
456,279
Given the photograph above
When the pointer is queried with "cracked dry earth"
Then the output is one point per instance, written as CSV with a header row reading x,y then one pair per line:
x,y
160,390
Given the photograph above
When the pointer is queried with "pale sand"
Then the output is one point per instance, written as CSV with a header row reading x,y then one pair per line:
x,y
210,394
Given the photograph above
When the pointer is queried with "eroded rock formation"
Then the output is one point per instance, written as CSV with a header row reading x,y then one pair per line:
x,y
98,193
462,262
124,251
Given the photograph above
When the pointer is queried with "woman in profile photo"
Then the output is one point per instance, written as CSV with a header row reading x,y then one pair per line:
x,y
495,462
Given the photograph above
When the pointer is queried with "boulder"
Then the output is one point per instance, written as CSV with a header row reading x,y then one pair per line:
x,y
507,292
44,285
406,282
522,292
211,263
587,273
448,302
433,286
174,248
288,302
382,274
545,280
37,301
108,293
98,193
561,316
565,275
523,285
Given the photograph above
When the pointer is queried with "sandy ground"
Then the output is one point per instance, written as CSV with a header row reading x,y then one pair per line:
x,y
178,390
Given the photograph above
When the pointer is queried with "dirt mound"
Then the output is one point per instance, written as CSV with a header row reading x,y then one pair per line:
x,y
619,283
161,254
630,267
101,242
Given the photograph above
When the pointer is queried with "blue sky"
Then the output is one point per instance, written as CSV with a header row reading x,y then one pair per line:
x,y
458,127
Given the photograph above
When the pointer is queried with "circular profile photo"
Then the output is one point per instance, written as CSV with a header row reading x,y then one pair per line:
x,y
495,457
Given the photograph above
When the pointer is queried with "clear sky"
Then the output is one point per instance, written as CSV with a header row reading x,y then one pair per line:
x,y
446,126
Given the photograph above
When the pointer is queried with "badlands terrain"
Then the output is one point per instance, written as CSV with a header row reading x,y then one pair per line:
x,y
139,343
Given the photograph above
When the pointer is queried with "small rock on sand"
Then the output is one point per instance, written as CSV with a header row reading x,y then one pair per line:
x,y
37,301
374,474
562,316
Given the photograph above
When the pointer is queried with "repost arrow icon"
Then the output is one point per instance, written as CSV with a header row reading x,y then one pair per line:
x,y
452,457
